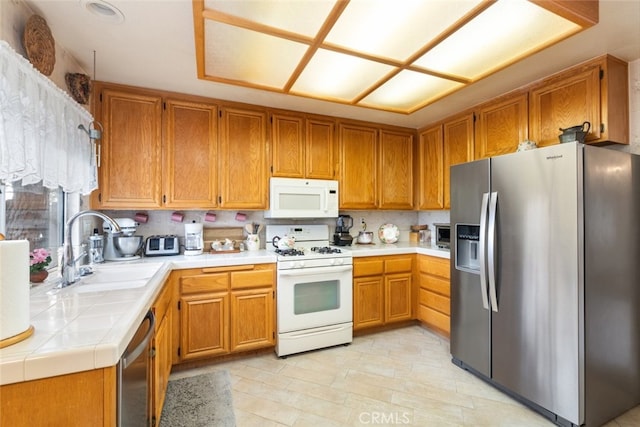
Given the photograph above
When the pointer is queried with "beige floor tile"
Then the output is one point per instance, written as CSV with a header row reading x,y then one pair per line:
x,y
247,419
396,377
265,408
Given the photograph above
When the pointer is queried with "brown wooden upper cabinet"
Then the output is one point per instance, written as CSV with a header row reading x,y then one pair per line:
x,y
430,169
595,91
358,156
131,144
191,166
501,125
244,178
302,147
376,167
458,147
395,183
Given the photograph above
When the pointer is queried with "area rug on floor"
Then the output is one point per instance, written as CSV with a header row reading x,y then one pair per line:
x,y
201,401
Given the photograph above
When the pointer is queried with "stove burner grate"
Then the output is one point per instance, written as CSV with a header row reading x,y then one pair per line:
x,y
289,252
326,250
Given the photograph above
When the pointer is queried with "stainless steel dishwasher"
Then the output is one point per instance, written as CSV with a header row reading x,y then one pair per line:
x,y
133,377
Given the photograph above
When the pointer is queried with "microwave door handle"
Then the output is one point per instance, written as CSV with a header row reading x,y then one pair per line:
x,y
482,251
326,200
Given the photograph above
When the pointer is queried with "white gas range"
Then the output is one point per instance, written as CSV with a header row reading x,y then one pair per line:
x,y
314,290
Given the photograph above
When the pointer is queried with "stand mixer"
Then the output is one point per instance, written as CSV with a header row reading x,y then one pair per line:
x,y
115,252
342,237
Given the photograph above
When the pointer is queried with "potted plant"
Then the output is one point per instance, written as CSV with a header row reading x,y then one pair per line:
x,y
39,259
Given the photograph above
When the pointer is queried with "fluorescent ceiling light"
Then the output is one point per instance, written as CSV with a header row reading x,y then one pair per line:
x,y
390,55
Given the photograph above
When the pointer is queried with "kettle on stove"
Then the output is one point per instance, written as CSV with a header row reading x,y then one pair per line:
x,y
342,237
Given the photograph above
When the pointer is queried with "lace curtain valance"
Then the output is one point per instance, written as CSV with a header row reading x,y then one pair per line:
x,y
39,135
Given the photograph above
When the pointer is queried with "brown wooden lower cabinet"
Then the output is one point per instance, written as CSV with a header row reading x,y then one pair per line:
x,y
80,399
225,310
161,360
434,293
381,290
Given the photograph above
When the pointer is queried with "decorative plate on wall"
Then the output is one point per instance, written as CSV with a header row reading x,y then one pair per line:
x,y
39,44
388,233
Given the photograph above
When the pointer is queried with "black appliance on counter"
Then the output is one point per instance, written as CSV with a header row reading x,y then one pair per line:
x,y
342,237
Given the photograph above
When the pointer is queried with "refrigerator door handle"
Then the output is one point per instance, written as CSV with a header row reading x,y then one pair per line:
x,y
482,251
491,250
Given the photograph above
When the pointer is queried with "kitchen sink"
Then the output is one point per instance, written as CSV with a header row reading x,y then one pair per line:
x,y
117,276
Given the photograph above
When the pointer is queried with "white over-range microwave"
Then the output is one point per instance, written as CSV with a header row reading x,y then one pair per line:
x,y
302,198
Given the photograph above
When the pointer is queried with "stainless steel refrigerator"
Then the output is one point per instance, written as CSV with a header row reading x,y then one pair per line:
x,y
545,278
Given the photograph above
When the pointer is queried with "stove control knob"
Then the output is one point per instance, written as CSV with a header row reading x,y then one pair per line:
x,y
337,261
298,264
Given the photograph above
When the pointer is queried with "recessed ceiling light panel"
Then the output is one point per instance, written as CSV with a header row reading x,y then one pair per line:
x,y
249,56
103,10
338,76
409,90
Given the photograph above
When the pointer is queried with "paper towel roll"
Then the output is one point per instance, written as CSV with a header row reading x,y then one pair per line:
x,y
14,287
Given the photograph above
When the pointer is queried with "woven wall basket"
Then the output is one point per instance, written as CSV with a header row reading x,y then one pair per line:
x,y
39,44
79,86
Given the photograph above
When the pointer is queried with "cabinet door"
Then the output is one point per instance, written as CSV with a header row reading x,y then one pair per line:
x,y
397,297
252,319
565,101
395,171
161,363
287,146
358,167
190,155
458,147
430,169
244,178
368,302
501,126
131,149
320,149
204,325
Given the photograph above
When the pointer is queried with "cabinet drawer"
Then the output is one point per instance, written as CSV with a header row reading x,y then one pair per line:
x,y
397,265
435,284
436,266
252,279
434,318
372,267
435,301
204,283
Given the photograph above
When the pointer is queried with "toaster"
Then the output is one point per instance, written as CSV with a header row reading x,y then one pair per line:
x,y
162,246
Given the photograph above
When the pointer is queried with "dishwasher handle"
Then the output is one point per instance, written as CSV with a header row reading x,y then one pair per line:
x,y
129,356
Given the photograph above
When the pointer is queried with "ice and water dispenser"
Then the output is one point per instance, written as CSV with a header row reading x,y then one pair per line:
x,y
467,247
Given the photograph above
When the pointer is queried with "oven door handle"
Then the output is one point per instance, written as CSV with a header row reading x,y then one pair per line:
x,y
314,270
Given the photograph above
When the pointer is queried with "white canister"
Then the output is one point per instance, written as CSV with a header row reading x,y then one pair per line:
x,y
253,242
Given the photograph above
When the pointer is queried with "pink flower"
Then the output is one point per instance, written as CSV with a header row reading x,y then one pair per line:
x,y
39,259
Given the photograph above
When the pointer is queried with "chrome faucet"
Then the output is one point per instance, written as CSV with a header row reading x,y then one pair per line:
x,y
68,267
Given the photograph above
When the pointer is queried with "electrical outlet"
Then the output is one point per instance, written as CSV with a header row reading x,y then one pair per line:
x,y
361,220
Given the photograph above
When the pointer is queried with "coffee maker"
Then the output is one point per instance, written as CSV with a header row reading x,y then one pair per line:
x,y
193,239
342,237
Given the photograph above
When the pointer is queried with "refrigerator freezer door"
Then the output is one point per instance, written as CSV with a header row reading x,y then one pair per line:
x,y
470,322
536,344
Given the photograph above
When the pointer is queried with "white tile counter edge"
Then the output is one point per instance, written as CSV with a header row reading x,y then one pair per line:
x,y
77,331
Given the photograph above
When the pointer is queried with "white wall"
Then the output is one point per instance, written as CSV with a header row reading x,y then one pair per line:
x,y
13,16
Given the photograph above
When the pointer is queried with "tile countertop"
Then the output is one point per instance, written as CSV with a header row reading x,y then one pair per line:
x,y
79,329
397,249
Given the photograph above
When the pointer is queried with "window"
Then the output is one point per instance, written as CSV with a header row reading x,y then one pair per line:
x,y
33,213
